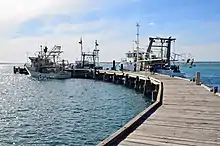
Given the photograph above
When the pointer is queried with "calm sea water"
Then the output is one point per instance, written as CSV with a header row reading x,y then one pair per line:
x,y
210,72
62,112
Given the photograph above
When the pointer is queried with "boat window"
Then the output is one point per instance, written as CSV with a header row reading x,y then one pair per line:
x,y
129,55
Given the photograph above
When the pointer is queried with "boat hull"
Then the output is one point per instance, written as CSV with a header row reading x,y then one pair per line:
x,y
171,73
129,66
57,75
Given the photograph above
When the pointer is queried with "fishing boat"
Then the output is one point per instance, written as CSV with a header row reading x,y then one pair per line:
x,y
48,64
88,59
156,58
131,62
159,58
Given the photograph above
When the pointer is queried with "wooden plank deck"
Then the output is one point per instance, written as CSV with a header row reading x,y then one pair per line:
x,y
190,115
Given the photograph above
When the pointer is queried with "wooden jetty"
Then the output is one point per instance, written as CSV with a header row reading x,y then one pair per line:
x,y
182,112
186,114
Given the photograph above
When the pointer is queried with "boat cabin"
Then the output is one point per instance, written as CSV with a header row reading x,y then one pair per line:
x,y
132,56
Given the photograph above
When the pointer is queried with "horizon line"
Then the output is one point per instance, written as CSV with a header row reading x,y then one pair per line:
x,y
107,62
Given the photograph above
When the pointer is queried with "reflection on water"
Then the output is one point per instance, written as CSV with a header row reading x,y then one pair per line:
x,y
59,112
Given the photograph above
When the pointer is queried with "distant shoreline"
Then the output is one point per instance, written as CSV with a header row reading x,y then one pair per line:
x,y
116,62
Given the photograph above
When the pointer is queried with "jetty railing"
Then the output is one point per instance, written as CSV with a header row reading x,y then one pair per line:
x,y
128,128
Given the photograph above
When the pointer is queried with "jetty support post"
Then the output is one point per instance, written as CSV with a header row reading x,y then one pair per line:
x,y
154,93
126,80
141,88
97,75
111,77
132,82
115,78
198,81
104,76
121,79
147,87
94,73
137,83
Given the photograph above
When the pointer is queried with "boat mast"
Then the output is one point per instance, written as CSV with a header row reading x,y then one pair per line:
x,y
41,50
81,46
27,56
133,43
137,42
162,42
96,51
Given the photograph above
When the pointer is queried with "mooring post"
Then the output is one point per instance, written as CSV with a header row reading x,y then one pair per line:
x,y
121,67
113,65
197,78
215,89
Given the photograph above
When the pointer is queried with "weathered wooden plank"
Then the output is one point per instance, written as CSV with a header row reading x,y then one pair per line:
x,y
191,108
130,143
184,111
187,133
176,140
190,115
188,120
148,141
183,124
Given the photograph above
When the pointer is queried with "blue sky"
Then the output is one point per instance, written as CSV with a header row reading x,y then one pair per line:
x,y
25,24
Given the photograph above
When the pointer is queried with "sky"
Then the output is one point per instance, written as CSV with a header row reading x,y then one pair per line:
x,y
27,24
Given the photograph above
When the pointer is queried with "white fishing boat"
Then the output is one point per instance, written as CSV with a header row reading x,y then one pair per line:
x,y
157,57
131,62
48,64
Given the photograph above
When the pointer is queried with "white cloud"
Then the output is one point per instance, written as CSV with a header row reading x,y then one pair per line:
x,y
114,40
15,12
109,33
151,23
114,35
109,49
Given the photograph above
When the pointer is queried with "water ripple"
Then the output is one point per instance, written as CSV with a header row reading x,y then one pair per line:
x,y
70,112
